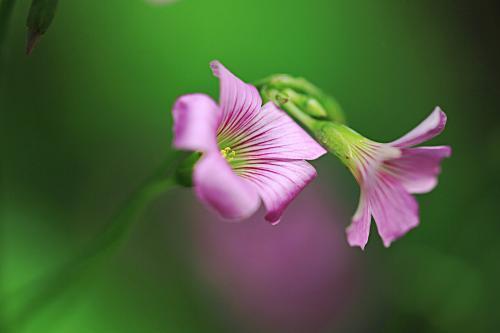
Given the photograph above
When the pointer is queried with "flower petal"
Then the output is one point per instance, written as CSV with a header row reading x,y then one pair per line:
x,y
278,183
196,118
272,134
426,130
240,102
394,210
418,168
216,185
359,229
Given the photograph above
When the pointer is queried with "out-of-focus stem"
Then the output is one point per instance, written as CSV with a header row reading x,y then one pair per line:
x,y
106,243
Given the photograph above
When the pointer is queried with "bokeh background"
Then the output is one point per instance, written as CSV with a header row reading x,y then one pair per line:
x,y
87,117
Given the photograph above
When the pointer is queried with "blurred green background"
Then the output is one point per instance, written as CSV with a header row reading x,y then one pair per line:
x,y
86,118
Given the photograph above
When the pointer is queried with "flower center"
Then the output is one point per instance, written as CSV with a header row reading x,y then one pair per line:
x,y
228,153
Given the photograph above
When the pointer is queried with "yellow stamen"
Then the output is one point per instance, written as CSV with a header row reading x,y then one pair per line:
x,y
228,154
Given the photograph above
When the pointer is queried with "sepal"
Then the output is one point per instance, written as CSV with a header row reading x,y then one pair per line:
x,y
184,172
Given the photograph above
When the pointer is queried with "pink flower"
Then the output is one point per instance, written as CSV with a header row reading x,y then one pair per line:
x,y
249,151
388,173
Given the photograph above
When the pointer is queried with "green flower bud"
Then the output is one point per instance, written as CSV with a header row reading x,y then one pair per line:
x,y
315,111
40,17
308,98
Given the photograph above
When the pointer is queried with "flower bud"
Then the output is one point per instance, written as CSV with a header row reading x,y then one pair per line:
x,y
308,98
40,17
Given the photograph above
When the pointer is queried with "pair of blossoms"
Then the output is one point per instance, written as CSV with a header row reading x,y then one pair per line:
x,y
252,152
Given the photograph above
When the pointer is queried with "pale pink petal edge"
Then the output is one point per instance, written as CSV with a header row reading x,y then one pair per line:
x,y
358,231
433,125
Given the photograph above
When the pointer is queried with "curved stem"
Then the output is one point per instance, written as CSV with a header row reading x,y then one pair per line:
x,y
90,258
303,118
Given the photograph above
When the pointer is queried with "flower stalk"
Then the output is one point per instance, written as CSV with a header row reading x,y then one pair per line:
x,y
91,258
338,139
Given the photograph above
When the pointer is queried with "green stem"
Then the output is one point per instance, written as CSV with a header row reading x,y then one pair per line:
x,y
285,102
303,118
104,245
